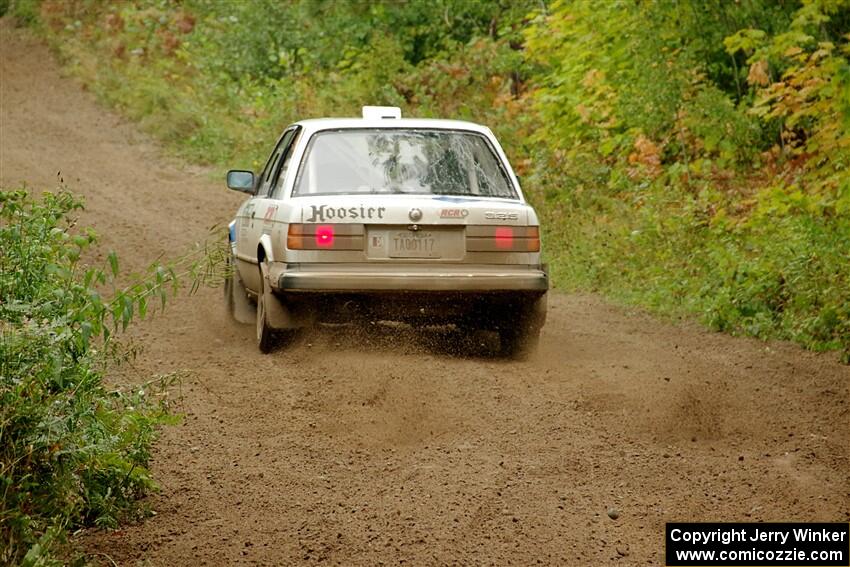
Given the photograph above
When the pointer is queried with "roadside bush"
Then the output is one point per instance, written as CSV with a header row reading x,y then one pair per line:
x,y
696,159
73,450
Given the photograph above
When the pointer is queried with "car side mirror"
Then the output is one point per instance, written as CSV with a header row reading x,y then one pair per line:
x,y
241,180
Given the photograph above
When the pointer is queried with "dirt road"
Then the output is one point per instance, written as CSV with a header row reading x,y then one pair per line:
x,y
384,448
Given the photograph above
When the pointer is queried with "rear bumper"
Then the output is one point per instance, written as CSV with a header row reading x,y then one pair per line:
x,y
409,277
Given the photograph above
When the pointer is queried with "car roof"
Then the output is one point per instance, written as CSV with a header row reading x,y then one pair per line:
x,y
317,124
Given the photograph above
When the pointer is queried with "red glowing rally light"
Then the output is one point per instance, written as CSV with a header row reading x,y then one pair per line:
x,y
504,237
325,236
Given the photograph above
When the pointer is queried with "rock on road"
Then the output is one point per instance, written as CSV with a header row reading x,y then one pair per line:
x,y
382,446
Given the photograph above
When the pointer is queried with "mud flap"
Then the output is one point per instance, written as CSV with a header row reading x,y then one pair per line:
x,y
239,306
519,335
537,313
278,315
243,310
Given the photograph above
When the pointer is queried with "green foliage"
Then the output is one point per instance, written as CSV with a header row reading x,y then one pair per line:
x,y
24,11
216,80
702,157
73,451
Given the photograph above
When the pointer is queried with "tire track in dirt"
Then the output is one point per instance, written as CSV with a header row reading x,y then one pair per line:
x,y
385,447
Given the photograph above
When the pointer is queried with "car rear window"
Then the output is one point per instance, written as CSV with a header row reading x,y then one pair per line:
x,y
402,161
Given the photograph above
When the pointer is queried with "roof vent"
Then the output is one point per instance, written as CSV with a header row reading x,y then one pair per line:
x,y
381,112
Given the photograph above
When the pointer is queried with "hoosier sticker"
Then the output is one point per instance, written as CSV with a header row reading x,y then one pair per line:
x,y
323,213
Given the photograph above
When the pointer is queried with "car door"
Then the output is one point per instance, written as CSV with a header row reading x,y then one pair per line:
x,y
250,221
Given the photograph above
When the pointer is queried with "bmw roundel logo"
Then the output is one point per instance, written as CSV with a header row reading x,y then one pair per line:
x,y
415,215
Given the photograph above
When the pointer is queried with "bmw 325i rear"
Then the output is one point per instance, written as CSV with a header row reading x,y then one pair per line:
x,y
412,220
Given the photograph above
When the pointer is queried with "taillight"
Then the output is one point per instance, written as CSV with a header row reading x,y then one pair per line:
x,y
504,237
488,238
532,239
325,237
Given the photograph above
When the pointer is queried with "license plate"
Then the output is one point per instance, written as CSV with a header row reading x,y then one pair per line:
x,y
413,245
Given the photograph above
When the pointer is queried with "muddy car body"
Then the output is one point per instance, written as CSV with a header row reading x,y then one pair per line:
x,y
384,218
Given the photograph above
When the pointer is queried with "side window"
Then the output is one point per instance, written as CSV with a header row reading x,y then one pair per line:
x,y
272,163
284,167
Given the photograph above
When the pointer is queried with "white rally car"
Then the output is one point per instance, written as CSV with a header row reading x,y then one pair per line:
x,y
386,219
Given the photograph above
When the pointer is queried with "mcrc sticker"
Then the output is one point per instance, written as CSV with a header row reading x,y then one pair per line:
x,y
454,213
